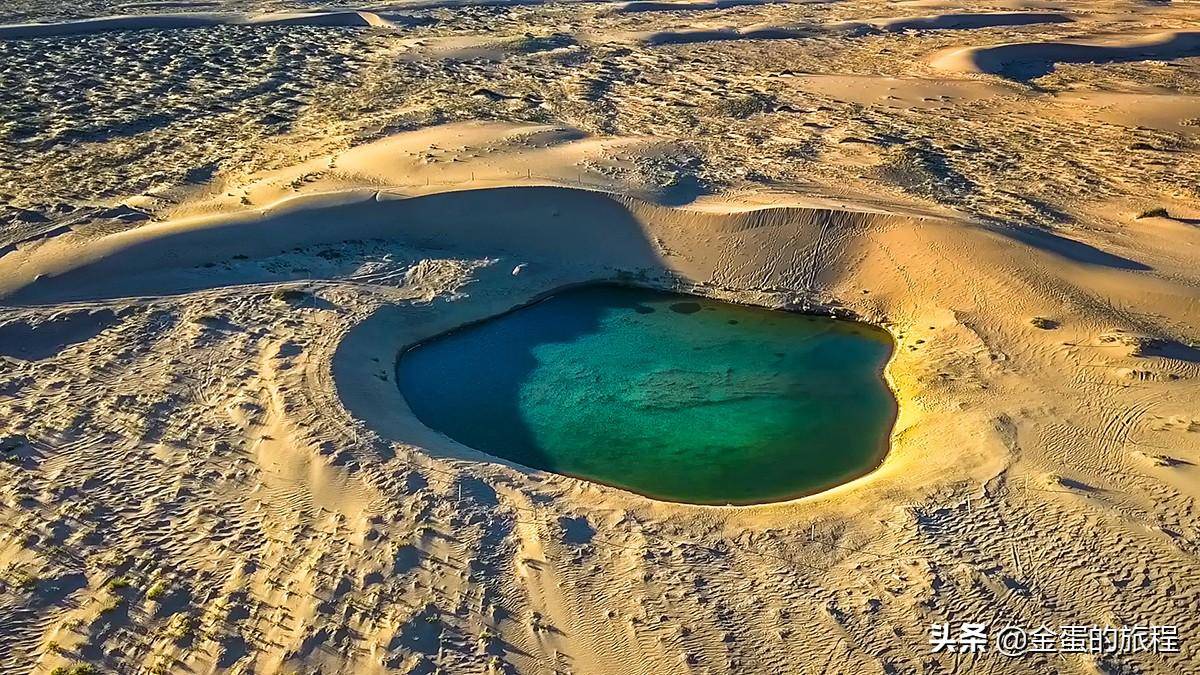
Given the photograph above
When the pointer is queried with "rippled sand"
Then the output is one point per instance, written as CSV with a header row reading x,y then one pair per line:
x,y
215,239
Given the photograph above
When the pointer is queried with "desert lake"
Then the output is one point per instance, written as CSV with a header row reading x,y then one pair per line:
x,y
676,397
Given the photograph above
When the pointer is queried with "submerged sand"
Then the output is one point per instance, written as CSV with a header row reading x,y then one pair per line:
x,y
210,468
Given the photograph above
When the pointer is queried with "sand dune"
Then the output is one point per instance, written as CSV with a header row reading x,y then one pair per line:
x,y
216,242
175,21
190,20
295,393
1152,109
694,35
637,6
766,31
613,232
1032,59
992,4
960,21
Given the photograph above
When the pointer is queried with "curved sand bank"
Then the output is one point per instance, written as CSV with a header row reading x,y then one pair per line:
x,y
694,35
768,31
958,21
1026,60
177,21
606,232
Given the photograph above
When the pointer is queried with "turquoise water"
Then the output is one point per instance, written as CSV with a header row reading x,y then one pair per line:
x,y
676,397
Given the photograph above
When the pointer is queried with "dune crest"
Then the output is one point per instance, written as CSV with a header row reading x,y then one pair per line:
x,y
958,21
188,20
1027,60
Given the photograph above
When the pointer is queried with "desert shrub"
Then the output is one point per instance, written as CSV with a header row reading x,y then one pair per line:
x,y
530,44
1158,212
76,669
288,294
181,628
742,107
118,583
1043,323
26,580
156,591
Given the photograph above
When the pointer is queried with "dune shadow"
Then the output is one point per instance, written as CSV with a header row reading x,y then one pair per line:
x,y
576,531
186,20
1028,61
168,258
693,36
1170,349
973,21
34,342
467,383
1070,249
592,229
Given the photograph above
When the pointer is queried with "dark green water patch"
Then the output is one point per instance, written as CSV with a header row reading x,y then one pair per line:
x,y
642,390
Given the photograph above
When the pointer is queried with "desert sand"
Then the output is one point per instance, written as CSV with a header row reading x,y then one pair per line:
x,y
220,222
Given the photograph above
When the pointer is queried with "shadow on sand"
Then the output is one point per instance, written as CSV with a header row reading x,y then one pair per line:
x,y
1070,249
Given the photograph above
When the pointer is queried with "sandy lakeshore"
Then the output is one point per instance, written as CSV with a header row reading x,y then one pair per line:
x,y
221,222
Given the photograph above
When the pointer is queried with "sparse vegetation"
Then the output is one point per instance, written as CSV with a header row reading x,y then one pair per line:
x,y
1044,323
156,590
8,448
288,294
269,520
181,628
76,669
742,107
529,43
25,580
1158,212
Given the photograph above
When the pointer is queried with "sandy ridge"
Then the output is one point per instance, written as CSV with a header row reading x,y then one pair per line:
x,y
175,21
1030,59
796,30
957,21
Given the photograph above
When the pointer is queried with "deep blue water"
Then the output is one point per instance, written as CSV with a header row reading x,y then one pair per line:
x,y
675,397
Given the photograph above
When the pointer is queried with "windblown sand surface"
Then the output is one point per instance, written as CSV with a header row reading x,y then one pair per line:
x,y
221,221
